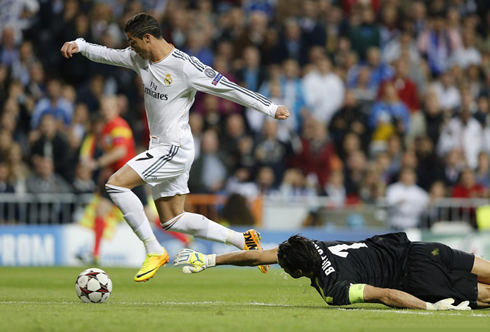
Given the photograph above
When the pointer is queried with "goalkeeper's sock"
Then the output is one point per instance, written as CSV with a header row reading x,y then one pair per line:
x,y
201,227
134,214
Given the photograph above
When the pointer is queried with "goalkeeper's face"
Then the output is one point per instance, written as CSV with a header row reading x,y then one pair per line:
x,y
295,273
142,46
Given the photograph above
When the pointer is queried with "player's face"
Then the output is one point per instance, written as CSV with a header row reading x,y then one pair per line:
x,y
140,46
295,274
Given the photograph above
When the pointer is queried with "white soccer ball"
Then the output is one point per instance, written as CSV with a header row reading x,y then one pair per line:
x,y
93,285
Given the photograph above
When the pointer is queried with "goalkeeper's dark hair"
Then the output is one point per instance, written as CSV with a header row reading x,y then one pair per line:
x,y
298,252
141,24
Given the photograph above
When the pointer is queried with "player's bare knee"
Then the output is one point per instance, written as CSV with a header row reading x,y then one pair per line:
x,y
114,180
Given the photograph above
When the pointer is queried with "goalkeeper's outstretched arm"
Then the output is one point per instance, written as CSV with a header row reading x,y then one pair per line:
x,y
248,258
195,262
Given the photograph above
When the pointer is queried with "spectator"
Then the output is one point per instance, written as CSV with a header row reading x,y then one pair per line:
x,y
92,93
196,123
405,87
433,116
389,116
317,156
83,183
234,131
271,152
407,201
19,170
434,212
378,71
367,34
320,82
291,95
364,92
482,174
313,30
467,186
198,46
209,171
389,28
5,144
354,172
240,183
45,180
253,34
465,133
53,104
20,68
37,84
266,181
335,189
467,54
251,75
429,167
291,45
5,185
372,189
403,44
349,118
437,43
51,144
295,185
454,163
9,53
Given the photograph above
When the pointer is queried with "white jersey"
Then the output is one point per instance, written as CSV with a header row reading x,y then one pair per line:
x,y
170,86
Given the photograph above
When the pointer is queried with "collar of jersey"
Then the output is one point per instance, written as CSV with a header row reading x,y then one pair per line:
x,y
173,49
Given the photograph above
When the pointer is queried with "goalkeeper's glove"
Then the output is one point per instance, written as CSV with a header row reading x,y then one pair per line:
x,y
447,304
194,261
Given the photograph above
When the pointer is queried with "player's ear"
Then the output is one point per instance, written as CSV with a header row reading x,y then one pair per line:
x,y
146,37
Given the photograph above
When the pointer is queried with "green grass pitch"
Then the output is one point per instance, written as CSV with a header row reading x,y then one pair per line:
x,y
221,299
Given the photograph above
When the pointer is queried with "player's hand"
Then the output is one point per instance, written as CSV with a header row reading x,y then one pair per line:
x,y
90,164
447,304
68,49
282,113
193,261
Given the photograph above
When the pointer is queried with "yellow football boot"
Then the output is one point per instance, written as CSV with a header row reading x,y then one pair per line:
x,y
151,265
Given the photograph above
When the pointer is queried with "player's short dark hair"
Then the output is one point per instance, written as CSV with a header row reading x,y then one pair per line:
x,y
141,24
298,252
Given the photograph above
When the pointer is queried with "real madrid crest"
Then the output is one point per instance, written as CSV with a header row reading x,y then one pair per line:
x,y
168,80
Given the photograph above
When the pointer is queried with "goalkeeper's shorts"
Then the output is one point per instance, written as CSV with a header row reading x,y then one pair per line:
x,y
435,271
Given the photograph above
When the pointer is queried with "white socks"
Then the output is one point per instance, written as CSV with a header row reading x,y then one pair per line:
x,y
199,226
134,214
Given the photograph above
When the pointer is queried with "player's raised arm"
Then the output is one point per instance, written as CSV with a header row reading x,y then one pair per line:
x,y
120,57
194,262
204,78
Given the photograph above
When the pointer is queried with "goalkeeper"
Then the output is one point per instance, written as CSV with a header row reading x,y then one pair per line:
x,y
388,269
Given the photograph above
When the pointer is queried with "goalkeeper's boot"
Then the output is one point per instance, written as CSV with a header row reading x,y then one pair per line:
x,y
151,265
252,242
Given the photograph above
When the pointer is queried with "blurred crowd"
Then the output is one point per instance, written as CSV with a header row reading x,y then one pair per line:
x,y
388,98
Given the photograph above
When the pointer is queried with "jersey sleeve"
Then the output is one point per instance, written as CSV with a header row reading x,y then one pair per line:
x,y
121,135
205,79
98,53
345,293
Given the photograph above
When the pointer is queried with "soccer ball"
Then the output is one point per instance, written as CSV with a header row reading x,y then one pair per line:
x,y
93,285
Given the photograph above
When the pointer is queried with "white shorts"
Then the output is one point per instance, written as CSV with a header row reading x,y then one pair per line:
x,y
165,168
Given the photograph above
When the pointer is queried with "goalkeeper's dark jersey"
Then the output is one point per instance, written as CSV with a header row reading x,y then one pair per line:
x,y
378,261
